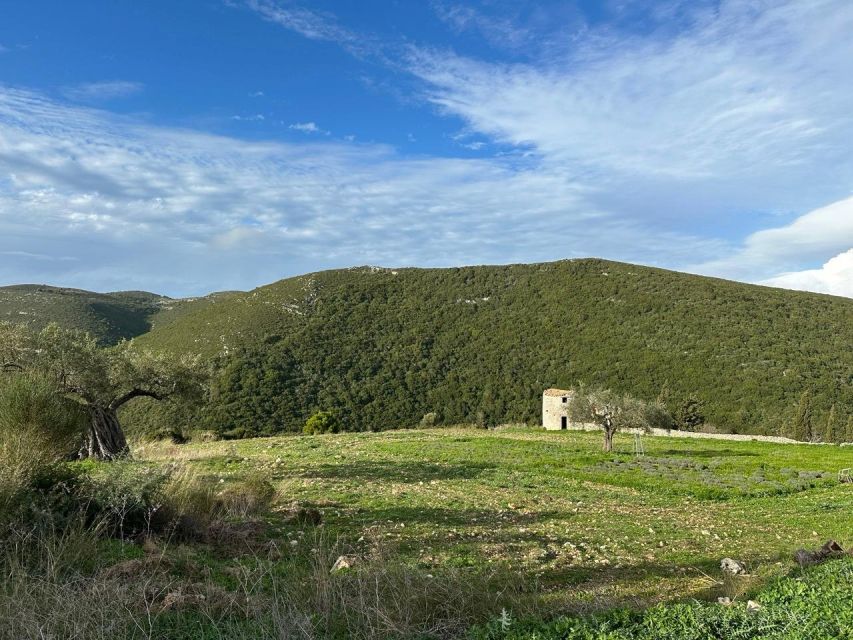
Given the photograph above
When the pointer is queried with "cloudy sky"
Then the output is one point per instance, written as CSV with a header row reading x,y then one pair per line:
x,y
185,147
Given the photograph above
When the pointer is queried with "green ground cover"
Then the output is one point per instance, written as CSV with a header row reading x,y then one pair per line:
x,y
581,530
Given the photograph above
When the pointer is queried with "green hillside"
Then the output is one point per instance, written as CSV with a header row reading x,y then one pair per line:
x,y
108,316
478,344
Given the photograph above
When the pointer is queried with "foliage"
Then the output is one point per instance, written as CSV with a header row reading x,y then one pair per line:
x,y
103,380
429,420
832,428
251,496
322,422
110,317
386,347
802,428
690,416
479,344
815,604
38,428
612,412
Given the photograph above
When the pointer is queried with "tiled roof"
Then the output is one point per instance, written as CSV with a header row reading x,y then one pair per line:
x,y
558,392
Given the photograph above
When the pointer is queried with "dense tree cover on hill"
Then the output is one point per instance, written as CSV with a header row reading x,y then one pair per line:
x,y
382,348
109,317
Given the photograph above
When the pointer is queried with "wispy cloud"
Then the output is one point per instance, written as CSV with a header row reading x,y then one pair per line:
x,y
256,117
37,256
102,91
171,209
735,92
504,31
740,113
314,25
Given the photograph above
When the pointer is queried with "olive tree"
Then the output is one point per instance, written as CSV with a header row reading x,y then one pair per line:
x,y
101,379
611,411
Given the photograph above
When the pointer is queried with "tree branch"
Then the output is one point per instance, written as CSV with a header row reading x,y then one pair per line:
x,y
135,393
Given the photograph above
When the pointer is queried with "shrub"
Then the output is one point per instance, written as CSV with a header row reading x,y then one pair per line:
x,y
128,495
429,420
322,422
658,417
38,427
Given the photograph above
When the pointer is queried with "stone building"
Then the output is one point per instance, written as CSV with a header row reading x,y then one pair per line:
x,y
555,408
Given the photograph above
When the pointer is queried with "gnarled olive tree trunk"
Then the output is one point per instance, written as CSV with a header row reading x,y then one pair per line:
x,y
609,431
105,439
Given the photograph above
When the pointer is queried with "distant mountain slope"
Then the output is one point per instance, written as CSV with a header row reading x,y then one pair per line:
x,y
108,316
384,347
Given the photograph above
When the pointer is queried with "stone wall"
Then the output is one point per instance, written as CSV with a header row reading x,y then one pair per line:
x,y
674,433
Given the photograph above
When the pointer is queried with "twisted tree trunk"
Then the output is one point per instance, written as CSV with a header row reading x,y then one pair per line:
x,y
105,440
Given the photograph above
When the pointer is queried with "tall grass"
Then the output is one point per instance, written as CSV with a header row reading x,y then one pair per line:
x,y
54,586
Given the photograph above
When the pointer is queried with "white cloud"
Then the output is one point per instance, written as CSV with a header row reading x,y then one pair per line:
x,y
810,238
98,91
257,117
668,147
834,277
737,119
141,206
307,127
742,91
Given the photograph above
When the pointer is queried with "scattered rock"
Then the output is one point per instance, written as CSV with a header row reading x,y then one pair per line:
x,y
752,606
343,562
732,567
726,602
830,549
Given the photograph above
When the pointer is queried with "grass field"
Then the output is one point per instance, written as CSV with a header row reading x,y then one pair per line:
x,y
582,530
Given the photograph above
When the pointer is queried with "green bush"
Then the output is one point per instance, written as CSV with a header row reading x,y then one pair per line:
x,y
38,428
429,420
322,422
128,496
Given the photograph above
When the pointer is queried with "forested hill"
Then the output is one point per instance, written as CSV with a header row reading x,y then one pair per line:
x,y
108,316
479,344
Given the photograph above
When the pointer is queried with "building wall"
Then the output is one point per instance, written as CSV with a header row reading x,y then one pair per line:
x,y
553,410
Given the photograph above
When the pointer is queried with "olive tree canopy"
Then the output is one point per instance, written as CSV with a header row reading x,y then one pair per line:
x,y
611,411
101,379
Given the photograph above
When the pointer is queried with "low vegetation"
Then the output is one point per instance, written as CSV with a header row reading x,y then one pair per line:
x,y
446,533
811,604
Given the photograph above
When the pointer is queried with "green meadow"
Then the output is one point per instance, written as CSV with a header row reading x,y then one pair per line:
x,y
581,530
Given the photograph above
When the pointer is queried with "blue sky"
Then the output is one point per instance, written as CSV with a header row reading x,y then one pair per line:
x,y
191,146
